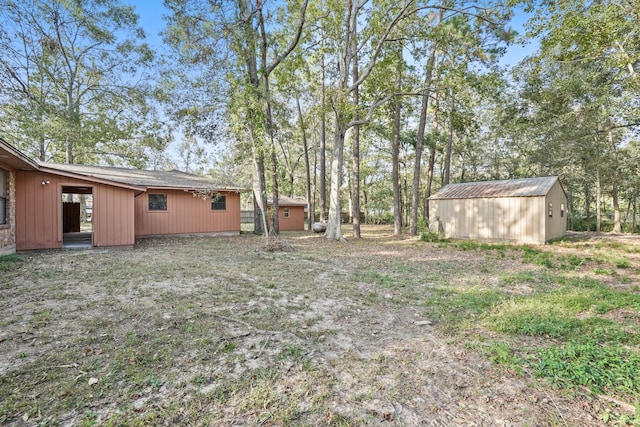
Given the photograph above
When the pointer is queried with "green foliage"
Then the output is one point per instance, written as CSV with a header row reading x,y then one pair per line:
x,y
9,262
554,314
591,364
501,354
537,257
430,237
455,307
79,84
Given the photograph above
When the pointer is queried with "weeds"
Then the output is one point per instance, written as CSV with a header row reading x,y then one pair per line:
x,y
10,262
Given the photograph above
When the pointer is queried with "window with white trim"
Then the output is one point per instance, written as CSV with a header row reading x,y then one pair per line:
x,y
286,212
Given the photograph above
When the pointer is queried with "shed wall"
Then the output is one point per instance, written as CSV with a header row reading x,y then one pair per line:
x,y
295,220
556,226
39,212
186,214
515,219
8,230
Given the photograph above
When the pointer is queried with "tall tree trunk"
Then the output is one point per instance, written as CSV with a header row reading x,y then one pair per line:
x,y
395,154
303,131
447,158
636,195
424,108
431,168
266,95
587,199
334,222
598,201
355,183
617,228
323,146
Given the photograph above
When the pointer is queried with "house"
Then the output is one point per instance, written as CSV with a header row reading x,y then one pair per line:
x,y
11,161
531,210
291,212
43,204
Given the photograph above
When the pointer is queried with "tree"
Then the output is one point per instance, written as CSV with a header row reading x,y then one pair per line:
x,y
249,56
75,82
592,45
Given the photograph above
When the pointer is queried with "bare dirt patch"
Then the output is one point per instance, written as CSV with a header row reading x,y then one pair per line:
x,y
218,331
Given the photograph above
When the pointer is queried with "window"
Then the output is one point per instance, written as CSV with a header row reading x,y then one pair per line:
x,y
550,210
219,203
286,213
561,210
4,189
157,202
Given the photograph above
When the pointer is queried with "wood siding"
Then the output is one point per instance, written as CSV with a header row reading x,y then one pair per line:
x,y
8,230
113,216
186,214
514,219
556,225
295,220
39,212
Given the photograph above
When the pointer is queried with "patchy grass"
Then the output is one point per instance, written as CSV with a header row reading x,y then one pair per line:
x,y
220,331
9,262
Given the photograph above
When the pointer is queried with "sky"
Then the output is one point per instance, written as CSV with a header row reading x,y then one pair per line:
x,y
151,13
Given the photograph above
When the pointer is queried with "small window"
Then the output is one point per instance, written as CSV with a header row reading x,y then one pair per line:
x,y
550,210
4,184
157,202
286,212
219,203
561,210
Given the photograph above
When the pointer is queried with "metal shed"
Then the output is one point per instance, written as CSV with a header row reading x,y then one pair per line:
x,y
530,210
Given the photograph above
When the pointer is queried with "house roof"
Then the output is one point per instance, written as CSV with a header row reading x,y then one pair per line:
x,y
14,158
289,201
144,178
526,187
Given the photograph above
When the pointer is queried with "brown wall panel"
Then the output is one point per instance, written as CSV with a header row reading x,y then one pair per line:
x,y
295,220
39,211
185,214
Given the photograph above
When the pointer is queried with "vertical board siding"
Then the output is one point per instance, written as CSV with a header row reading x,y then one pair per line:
x,y
39,212
295,220
514,219
186,214
113,216
39,208
557,225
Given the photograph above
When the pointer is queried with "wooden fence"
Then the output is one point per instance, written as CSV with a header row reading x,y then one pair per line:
x,y
246,217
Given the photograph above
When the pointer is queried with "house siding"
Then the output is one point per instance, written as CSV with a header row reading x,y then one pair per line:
x,y
113,216
186,214
295,221
39,212
8,230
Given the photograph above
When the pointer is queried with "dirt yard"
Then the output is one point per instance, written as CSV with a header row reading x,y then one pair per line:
x,y
219,331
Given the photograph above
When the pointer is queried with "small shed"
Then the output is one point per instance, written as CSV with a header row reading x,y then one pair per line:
x,y
291,214
530,210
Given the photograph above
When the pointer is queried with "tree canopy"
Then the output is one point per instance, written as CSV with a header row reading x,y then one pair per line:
x,y
364,107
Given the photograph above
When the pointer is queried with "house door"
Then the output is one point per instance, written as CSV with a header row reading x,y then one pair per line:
x,y
77,217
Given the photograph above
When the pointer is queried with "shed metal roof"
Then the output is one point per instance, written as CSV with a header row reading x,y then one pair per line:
x,y
526,187
145,178
288,201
